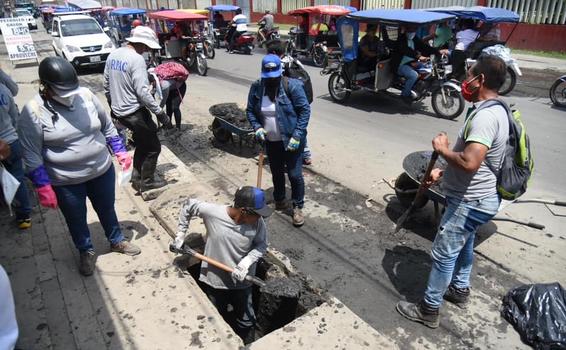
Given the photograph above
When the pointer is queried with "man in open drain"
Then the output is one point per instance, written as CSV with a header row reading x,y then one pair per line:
x,y
236,236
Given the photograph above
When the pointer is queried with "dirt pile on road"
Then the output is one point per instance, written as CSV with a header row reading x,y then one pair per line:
x,y
230,112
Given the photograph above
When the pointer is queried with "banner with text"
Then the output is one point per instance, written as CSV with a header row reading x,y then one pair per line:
x,y
18,39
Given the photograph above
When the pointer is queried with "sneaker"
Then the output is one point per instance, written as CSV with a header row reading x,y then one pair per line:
x,y
307,161
298,217
457,296
419,312
281,205
86,263
24,224
125,247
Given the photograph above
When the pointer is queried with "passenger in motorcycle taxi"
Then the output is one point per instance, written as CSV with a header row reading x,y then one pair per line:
x,y
369,47
408,53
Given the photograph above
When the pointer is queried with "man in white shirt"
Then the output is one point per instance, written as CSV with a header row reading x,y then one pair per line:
x,y
239,25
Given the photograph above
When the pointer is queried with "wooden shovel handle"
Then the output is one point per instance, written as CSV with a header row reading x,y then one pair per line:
x,y
212,262
259,168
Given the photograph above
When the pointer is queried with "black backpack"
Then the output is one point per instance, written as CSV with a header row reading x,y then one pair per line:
x,y
294,71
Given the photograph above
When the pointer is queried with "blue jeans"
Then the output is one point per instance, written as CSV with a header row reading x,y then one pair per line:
x,y
101,193
279,158
453,248
411,77
15,166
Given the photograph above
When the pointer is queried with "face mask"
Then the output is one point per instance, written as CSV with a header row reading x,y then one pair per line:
x,y
411,35
272,83
65,101
470,93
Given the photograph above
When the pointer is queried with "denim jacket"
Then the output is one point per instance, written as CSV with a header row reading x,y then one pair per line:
x,y
293,112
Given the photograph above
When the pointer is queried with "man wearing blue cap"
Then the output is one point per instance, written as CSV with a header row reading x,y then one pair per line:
x,y
279,112
236,236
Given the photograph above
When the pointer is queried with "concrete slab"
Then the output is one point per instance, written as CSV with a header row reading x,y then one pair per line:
x,y
329,326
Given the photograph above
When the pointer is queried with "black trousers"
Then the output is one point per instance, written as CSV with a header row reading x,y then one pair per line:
x,y
148,147
242,318
173,103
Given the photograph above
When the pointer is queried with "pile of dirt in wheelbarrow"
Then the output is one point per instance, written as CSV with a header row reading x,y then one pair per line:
x,y
230,112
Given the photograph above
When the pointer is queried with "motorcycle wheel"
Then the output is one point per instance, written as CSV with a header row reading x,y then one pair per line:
x,y
337,87
318,56
510,82
558,93
202,66
452,107
210,53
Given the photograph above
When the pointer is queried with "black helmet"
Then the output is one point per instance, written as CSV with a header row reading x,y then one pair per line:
x,y
58,74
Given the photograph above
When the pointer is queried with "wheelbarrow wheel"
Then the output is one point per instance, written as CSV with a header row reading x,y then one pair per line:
x,y
406,191
220,134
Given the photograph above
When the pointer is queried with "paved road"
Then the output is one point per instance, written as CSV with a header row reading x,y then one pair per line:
x,y
373,133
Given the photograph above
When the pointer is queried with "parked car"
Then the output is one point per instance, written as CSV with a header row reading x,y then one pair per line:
x,y
80,40
27,16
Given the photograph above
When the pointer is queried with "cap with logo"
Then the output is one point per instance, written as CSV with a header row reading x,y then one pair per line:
x,y
271,67
252,199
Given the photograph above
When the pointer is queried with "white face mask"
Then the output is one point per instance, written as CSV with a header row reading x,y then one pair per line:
x,y
411,35
65,101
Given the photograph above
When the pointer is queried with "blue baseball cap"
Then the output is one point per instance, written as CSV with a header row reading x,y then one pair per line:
x,y
271,67
252,199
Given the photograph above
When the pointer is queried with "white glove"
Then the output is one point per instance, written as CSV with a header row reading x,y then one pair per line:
x,y
241,271
179,240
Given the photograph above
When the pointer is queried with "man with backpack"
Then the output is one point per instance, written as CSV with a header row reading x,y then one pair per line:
x,y
472,182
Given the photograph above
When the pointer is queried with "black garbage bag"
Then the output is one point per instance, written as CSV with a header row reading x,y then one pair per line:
x,y
538,313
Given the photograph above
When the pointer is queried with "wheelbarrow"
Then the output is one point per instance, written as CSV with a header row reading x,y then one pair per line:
x,y
224,130
407,184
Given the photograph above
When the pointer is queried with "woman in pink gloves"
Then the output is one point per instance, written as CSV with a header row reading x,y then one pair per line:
x,y
65,131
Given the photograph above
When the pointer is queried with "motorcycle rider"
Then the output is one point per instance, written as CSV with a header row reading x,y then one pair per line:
x,y
238,26
408,54
265,25
127,90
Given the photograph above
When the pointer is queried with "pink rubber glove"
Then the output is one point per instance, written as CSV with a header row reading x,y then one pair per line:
x,y
124,159
47,197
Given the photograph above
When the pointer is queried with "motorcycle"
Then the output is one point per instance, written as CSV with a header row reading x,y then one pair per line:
x,y
196,56
244,43
490,47
346,76
558,92
271,34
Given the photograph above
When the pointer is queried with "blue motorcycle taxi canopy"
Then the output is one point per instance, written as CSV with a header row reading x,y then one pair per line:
x,y
482,13
349,26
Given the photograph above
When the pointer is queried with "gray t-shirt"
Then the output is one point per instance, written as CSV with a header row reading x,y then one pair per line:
x,y
126,83
8,115
72,144
226,241
489,127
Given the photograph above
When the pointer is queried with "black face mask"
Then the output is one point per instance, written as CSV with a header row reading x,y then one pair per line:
x,y
271,87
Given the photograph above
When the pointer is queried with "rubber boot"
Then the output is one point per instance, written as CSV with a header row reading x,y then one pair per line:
x,y
148,181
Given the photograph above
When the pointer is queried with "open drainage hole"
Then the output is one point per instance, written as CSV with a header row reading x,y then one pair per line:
x,y
272,311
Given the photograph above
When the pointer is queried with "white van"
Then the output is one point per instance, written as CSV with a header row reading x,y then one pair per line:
x,y
80,40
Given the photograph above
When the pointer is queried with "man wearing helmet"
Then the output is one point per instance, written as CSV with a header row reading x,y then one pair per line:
x,y
127,89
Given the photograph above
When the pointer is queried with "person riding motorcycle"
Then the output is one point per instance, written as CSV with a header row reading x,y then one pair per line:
x,y
265,25
407,55
238,26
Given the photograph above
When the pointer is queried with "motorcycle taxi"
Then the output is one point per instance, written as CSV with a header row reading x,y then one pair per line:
x,y
347,76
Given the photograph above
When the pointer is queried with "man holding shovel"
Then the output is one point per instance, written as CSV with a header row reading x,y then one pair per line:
x,y
236,236
469,183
